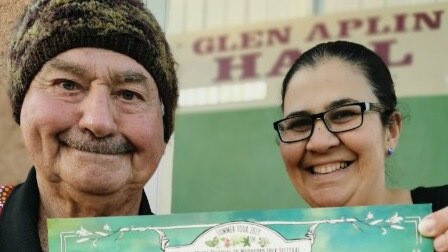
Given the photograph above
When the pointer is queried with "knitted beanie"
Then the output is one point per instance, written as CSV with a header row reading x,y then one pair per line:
x,y
50,27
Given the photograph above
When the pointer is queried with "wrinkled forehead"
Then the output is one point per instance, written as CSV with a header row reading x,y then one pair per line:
x,y
92,63
314,88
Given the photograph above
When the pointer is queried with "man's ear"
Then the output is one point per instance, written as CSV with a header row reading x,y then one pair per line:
x,y
393,130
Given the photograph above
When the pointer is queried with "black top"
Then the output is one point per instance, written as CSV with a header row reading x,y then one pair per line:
x,y
437,195
18,221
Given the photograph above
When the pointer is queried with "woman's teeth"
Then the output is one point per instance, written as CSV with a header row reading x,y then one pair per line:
x,y
328,168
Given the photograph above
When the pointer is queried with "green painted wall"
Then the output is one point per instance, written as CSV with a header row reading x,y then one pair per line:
x,y
229,160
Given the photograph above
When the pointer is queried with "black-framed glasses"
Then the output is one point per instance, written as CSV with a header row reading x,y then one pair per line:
x,y
340,119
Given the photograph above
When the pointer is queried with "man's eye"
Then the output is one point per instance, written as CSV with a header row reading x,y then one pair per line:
x,y
68,85
129,95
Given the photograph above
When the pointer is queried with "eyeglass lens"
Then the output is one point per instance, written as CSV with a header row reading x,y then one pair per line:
x,y
336,120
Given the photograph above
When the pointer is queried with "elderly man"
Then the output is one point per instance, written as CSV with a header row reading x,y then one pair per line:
x,y
94,89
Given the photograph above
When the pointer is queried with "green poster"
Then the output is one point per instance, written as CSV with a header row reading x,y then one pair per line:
x,y
375,228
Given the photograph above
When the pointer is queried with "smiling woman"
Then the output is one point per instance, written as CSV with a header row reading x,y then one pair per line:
x,y
340,124
357,150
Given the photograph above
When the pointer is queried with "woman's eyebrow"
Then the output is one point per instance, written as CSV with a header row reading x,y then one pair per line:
x,y
298,113
333,104
340,102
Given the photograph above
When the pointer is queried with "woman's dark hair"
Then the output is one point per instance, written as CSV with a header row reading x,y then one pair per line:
x,y
371,65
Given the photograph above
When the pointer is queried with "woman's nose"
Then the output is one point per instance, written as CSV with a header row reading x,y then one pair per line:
x,y
321,139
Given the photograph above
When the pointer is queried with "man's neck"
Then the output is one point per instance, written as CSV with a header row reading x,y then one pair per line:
x,y
42,227
56,204
75,205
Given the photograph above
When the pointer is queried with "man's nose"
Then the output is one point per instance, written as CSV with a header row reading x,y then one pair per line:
x,y
98,112
321,139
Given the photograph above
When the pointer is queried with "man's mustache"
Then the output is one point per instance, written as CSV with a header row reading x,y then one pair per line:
x,y
111,145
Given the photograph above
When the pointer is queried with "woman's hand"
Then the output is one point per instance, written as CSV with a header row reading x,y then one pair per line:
x,y
436,225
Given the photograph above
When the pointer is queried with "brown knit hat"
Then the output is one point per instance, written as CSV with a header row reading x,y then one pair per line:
x,y
50,27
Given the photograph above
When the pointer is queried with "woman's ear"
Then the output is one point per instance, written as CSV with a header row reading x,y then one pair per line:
x,y
393,130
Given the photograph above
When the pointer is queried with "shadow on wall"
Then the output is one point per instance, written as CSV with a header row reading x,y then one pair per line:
x,y
14,163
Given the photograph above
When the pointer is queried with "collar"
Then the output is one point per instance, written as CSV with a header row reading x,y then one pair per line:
x,y
18,221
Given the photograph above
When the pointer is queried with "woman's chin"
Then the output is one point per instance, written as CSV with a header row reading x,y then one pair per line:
x,y
328,199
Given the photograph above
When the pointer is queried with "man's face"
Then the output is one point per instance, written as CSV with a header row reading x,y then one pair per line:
x,y
92,122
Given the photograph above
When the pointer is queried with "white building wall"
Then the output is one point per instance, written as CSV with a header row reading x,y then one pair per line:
x,y
198,15
158,189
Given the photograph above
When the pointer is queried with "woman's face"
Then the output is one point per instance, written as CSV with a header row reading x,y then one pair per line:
x,y
335,169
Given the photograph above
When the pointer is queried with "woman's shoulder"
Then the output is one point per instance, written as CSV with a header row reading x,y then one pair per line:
x,y
5,191
437,195
430,190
